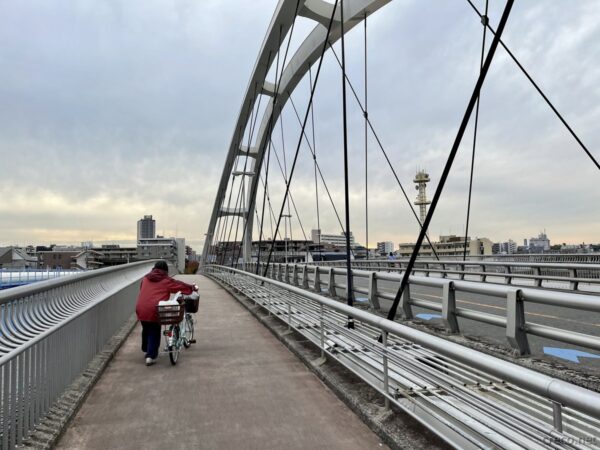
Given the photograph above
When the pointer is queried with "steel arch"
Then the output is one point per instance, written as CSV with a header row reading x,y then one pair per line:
x,y
305,56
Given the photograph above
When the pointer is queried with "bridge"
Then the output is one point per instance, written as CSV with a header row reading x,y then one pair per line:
x,y
437,352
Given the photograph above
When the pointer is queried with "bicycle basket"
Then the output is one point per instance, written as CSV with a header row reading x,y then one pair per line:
x,y
191,305
170,314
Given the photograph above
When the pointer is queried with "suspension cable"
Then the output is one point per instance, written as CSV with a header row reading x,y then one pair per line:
x,y
366,115
349,287
291,198
537,88
451,156
314,152
368,120
287,189
475,134
337,215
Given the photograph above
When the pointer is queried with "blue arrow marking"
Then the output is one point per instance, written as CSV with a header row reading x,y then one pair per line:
x,y
568,353
428,316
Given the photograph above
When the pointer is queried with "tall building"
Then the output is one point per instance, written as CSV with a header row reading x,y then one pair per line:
x,y
385,248
421,180
146,228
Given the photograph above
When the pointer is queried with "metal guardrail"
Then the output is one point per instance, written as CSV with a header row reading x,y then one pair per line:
x,y
568,276
515,323
469,399
49,332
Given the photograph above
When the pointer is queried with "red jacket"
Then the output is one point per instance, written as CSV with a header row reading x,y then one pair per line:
x,y
157,286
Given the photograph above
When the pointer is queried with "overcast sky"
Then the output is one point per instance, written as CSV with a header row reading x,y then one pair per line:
x,y
110,110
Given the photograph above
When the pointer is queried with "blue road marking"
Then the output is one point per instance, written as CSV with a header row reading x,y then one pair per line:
x,y
428,316
361,299
568,353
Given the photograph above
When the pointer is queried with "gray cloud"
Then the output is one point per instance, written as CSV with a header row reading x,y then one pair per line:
x,y
111,110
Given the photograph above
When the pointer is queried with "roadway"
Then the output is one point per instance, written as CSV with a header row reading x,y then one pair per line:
x,y
238,387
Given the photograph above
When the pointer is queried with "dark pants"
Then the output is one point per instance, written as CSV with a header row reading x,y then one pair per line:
x,y
151,339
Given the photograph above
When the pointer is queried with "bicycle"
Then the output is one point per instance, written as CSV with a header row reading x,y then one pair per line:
x,y
176,315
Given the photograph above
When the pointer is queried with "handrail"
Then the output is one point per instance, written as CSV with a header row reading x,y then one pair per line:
x,y
559,391
50,331
517,328
41,286
551,265
574,277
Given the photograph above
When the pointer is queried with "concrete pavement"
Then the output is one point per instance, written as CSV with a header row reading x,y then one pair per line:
x,y
237,388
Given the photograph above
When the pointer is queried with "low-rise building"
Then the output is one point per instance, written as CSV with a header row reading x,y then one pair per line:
x,y
385,248
58,258
169,249
450,245
540,243
504,248
114,254
87,259
16,258
332,239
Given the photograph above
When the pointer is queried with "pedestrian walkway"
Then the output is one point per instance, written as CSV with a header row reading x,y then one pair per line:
x,y
237,388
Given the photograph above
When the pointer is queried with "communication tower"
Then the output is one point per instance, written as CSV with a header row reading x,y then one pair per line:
x,y
421,180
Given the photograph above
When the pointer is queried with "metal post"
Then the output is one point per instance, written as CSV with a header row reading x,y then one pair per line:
x,y
322,327
573,284
373,298
289,316
384,335
537,282
304,277
295,275
405,304
449,307
317,282
508,279
557,416
515,322
331,282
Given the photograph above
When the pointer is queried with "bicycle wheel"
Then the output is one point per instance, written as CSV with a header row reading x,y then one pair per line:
x,y
174,349
189,331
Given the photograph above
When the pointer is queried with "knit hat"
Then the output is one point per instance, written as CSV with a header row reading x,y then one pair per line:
x,y
162,265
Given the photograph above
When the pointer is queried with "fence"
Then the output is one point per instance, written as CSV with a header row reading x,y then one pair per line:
x,y
567,276
514,322
470,399
50,331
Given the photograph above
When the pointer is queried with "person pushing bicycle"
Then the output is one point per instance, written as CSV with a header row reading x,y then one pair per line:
x,y
156,286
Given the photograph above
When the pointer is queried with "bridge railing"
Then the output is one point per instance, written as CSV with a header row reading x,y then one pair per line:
x,y
568,276
311,314
517,328
50,331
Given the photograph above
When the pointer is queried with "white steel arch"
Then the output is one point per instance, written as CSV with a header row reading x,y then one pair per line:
x,y
305,56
